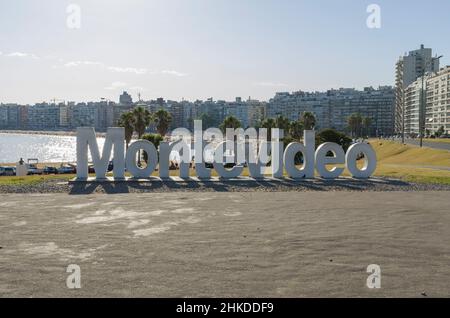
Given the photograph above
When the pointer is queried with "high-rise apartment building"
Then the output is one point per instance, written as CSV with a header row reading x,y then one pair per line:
x,y
238,109
437,112
408,69
43,117
412,99
332,108
125,99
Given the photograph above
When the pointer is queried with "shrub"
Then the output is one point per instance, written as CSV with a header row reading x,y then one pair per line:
x,y
331,135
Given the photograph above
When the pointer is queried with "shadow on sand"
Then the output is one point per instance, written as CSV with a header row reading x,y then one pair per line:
x,y
220,185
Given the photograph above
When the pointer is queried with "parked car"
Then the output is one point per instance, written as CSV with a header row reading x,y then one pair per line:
x,y
33,169
66,170
50,170
7,171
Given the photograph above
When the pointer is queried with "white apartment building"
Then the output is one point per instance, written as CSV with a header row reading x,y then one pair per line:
x,y
437,112
412,99
409,68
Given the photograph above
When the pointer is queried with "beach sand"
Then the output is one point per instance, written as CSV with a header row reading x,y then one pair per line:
x,y
255,244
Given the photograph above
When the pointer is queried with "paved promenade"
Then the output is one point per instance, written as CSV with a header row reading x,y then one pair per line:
x,y
432,144
256,244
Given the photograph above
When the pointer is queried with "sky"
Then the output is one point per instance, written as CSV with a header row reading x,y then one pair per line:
x,y
197,49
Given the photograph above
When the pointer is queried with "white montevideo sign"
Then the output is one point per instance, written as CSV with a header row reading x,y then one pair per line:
x,y
241,147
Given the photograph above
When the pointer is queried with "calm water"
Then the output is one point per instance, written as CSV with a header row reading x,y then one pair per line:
x,y
46,148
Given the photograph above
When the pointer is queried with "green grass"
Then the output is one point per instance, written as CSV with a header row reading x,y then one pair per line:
x,y
410,163
26,180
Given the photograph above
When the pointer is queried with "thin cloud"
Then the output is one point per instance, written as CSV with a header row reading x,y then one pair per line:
x,y
173,73
127,69
22,54
134,70
79,63
116,69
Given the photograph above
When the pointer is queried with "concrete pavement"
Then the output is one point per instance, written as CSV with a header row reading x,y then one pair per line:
x,y
429,144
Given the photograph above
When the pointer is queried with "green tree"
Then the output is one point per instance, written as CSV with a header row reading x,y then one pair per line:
x,y
269,123
296,129
354,122
282,122
440,132
127,121
162,119
155,139
142,119
308,120
230,122
331,135
207,121
367,122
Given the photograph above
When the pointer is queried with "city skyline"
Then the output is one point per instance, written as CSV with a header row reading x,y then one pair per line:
x,y
135,97
199,50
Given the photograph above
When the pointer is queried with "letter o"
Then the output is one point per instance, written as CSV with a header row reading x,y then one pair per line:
x,y
370,159
130,158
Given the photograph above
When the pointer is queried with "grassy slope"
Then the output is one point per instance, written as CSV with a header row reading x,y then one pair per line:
x,y
412,163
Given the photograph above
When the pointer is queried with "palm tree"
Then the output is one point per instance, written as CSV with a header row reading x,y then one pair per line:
x,y
354,122
230,122
127,121
207,120
308,120
269,123
155,139
162,119
282,123
366,122
296,129
142,119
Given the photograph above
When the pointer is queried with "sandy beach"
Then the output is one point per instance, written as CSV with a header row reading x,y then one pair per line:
x,y
255,244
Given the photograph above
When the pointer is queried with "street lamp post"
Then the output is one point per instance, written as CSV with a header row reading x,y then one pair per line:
x,y
422,104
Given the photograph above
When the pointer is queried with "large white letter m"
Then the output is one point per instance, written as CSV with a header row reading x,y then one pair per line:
x,y
86,140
